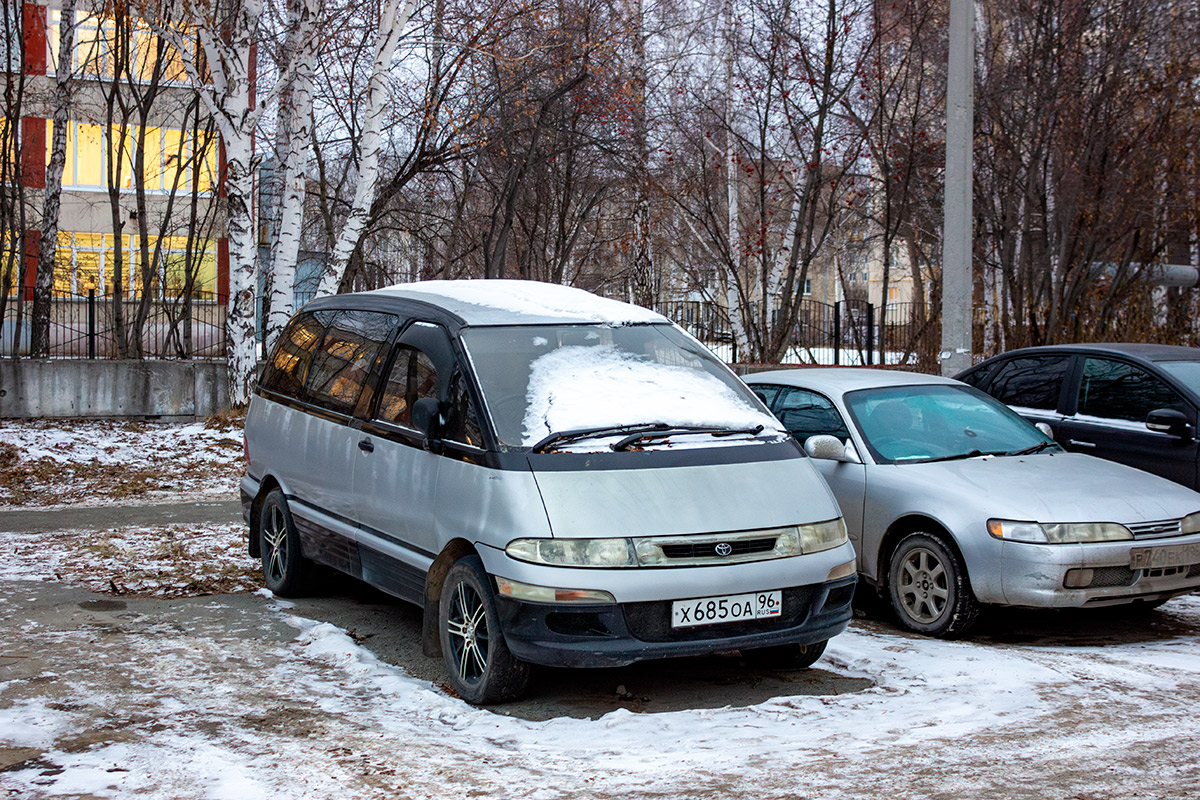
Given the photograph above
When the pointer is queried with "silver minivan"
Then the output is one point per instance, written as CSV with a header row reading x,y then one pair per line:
x,y
555,478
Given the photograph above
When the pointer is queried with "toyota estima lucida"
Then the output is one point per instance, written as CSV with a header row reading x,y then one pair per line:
x,y
555,478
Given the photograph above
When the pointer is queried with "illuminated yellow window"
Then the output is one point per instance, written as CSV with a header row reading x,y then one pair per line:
x,y
88,164
173,158
152,166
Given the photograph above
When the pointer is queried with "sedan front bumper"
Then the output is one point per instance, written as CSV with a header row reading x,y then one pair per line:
x,y
1099,573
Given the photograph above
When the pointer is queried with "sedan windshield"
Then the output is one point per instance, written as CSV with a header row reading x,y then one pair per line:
x,y
940,423
1186,372
584,387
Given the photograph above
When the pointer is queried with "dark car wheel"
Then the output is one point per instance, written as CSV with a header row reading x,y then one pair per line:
x,y
287,572
784,656
928,586
481,668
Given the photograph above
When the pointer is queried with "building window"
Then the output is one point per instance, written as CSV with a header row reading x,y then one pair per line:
x,y
807,286
169,163
98,56
87,261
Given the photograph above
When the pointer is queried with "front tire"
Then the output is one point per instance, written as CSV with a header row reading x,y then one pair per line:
x,y
928,587
285,569
481,668
784,656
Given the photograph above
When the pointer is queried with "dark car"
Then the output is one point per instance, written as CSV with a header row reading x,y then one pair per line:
x,y
1132,403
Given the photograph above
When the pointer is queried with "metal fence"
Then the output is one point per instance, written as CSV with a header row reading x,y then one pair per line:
x,y
85,326
849,332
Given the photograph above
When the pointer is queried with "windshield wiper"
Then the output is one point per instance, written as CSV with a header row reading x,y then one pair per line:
x,y
1037,448
961,456
664,432
562,437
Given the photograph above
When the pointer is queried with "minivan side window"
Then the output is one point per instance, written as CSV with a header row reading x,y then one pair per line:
x,y
343,361
288,367
1116,390
425,365
1030,381
412,377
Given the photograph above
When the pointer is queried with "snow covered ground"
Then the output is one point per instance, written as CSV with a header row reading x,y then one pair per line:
x,y
57,462
237,696
142,662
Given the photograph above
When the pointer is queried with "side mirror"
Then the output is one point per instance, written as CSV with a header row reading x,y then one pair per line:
x,y
427,417
823,446
1171,422
1045,428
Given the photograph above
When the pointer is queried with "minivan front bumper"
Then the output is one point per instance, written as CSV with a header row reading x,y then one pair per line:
x,y
613,635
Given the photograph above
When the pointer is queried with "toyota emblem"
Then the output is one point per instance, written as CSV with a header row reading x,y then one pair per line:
x,y
723,549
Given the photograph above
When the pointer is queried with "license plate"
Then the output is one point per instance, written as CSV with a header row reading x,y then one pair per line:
x,y
727,608
1159,557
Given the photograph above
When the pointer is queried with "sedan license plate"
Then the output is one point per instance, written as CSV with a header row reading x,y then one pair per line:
x,y
1158,557
728,608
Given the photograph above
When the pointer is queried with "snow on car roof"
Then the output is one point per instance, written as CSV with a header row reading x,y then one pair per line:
x,y
515,302
838,380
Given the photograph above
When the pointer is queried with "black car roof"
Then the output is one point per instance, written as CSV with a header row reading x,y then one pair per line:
x,y
1146,352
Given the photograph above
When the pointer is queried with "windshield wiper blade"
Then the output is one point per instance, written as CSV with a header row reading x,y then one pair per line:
x,y
562,437
961,456
683,429
1037,448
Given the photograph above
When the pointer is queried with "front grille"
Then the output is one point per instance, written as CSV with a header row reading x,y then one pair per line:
x,y
1113,576
707,549
1158,529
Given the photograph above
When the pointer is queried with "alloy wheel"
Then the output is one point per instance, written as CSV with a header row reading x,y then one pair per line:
x,y
467,625
923,588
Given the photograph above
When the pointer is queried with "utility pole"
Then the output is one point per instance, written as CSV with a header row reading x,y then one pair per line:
x,y
957,291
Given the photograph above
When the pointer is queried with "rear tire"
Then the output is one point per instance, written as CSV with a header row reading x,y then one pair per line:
x,y
481,668
285,569
784,656
928,587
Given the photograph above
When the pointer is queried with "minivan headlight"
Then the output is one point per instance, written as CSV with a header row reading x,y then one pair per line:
x,y
574,552
1058,532
822,535
1190,523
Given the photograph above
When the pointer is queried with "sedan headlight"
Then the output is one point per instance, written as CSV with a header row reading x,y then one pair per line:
x,y
574,552
1058,532
1190,523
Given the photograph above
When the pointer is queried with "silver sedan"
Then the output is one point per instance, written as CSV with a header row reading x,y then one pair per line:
x,y
953,501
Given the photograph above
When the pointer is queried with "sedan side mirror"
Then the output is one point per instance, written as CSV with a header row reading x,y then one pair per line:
x,y
823,446
1171,422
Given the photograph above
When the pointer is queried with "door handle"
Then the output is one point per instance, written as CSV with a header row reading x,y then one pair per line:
x,y
366,446
1078,443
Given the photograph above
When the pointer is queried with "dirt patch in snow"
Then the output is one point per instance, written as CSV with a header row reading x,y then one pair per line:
x,y
56,462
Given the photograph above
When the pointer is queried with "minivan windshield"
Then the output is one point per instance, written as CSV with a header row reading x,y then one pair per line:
x,y
940,423
1186,372
641,380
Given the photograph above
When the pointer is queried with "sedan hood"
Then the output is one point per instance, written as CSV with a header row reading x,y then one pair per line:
x,y
1051,487
684,499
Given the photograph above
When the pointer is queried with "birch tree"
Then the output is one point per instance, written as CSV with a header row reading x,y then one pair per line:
x,y
293,143
227,31
39,345
394,16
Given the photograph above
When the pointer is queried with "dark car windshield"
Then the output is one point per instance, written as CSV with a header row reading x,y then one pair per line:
x,y
541,381
939,422
1186,372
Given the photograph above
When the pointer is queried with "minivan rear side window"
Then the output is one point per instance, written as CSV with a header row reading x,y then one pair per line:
x,y
1030,381
343,361
288,368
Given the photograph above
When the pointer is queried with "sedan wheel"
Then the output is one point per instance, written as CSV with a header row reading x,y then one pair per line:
x,y
481,667
929,588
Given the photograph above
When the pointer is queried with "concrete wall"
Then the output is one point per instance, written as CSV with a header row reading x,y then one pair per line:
x,y
32,389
